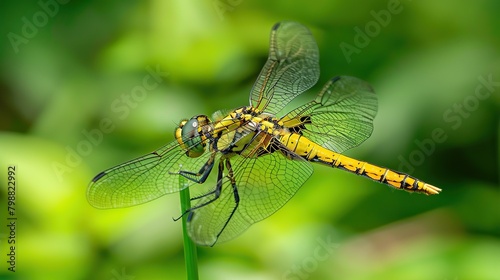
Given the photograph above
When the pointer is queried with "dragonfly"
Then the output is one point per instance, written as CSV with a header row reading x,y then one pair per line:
x,y
260,160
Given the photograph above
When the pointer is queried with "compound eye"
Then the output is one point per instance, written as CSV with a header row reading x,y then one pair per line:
x,y
190,129
189,138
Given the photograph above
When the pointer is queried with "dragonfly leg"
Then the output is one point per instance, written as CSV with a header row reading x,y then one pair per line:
x,y
201,176
235,194
215,193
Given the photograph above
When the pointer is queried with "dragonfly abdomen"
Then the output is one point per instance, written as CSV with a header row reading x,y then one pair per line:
x,y
316,153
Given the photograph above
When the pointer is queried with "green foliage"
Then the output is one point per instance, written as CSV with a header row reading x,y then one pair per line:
x,y
87,85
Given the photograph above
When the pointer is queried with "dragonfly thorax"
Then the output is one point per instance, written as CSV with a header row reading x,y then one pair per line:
x,y
191,135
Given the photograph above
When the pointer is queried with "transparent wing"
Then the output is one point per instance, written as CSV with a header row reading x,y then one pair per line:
x,y
264,185
143,179
291,68
341,116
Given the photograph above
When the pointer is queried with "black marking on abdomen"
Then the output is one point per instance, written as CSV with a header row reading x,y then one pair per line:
x,y
298,129
415,184
403,183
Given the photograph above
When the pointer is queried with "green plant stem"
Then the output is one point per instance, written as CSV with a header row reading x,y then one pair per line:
x,y
190,254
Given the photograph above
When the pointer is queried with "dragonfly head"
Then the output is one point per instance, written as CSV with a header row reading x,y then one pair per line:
x,y
190,135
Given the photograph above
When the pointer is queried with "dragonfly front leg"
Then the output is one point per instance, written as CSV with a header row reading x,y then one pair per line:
x,y
201,176
216,195
216,192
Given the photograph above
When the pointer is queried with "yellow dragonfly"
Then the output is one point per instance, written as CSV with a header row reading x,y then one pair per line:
x,y
261,159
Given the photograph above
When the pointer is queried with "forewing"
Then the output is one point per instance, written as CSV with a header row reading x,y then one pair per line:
x,y
142,179
264,185
291,68
341,116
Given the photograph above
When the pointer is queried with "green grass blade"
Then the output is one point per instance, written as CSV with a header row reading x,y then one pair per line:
x,y
190,254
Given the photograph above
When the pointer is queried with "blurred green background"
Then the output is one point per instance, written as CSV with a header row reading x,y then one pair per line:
x,y
66,113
